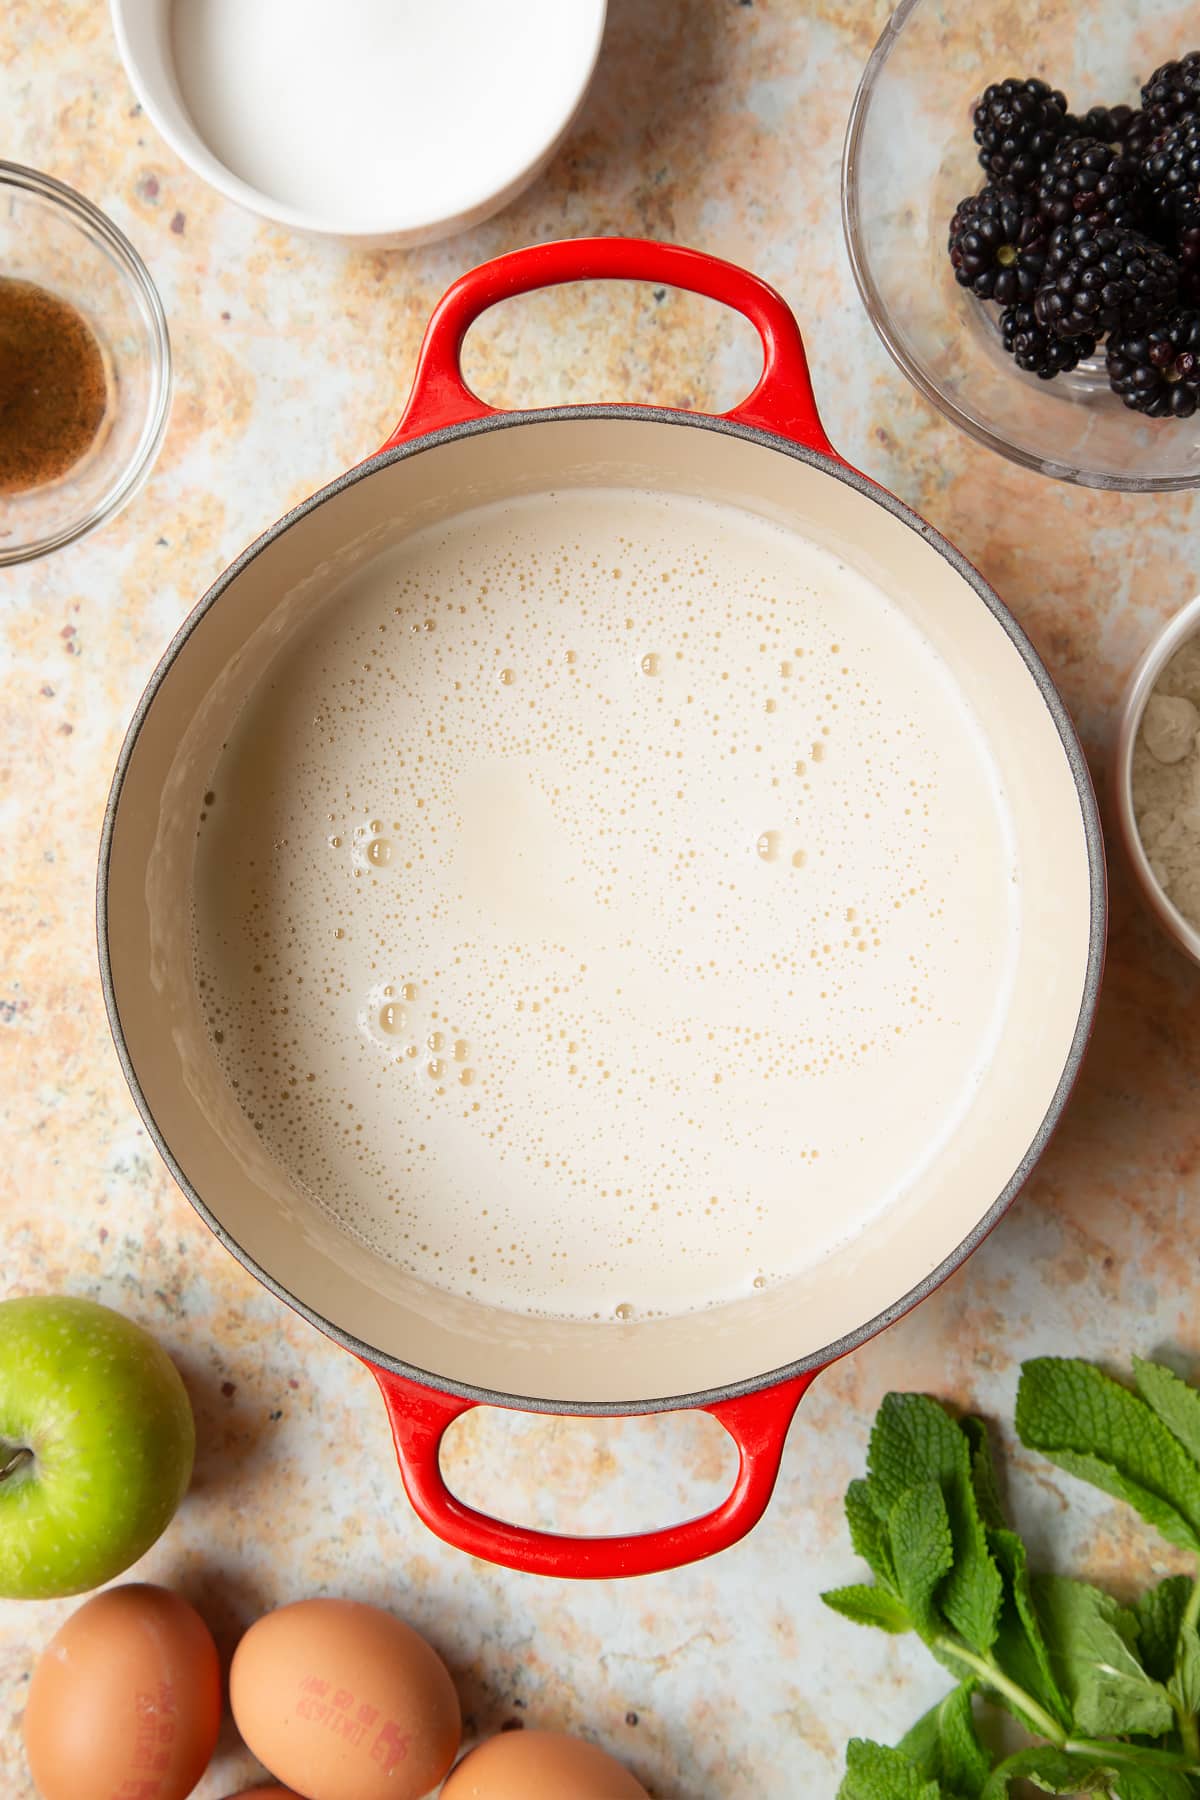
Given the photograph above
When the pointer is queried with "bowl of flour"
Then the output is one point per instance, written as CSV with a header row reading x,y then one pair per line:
x,y
1158,777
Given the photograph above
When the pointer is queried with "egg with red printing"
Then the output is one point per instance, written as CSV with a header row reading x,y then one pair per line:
x,y
125,1700
344,1701
541,1765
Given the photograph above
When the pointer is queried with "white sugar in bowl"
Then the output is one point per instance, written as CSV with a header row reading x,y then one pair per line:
x,y
383,122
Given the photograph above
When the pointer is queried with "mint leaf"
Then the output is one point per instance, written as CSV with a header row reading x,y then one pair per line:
x,y
868,1534
1177,1404
1021,1648
915,1441
943,1745
1153,1784
1159,1614
1052,1771
1185,1682
922,1745
1089,1636
974,1590
874,1772
1096,1429
919,1529
983,1473
1165,1518
869,1606
965,1763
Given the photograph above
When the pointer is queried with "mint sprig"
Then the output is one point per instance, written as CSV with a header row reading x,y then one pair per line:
x,y
1109,1694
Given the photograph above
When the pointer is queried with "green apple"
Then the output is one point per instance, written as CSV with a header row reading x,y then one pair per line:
x,y
96,1445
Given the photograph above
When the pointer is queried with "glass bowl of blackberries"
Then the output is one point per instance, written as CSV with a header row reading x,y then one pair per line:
x,y
1021,200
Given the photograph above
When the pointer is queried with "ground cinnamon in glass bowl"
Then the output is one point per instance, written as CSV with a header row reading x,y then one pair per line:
x,y
53,388
85,366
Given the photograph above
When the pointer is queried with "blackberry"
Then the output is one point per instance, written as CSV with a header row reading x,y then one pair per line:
x,y
1172,91
1038,351
1157,371
1017,124
1099,278
1188,248
1172,169
998,245
1123,127
1087,177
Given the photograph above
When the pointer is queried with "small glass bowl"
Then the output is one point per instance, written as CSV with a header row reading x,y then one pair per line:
x,y
910,157
1166,642
55,238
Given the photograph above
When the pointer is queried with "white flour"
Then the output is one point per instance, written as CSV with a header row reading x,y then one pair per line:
x,y
1166,780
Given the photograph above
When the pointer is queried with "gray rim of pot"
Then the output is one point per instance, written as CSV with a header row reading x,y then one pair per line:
x,y
1096,940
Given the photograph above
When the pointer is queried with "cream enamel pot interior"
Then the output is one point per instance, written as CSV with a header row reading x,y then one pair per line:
x,y
435,1354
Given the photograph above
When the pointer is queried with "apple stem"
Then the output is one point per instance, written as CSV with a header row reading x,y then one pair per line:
x,y
17,1460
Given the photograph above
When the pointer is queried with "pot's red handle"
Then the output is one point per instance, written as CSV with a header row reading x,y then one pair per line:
x,y
757,1423
782,400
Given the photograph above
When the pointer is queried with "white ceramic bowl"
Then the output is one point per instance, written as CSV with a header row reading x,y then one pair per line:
x,y
1174,634
378,123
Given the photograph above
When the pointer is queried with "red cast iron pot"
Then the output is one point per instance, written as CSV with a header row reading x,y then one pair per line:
x,y
748,1363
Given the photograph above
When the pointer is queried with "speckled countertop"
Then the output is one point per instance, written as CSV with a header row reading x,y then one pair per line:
x,y
713,123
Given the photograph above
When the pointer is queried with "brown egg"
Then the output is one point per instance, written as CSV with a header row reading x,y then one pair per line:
x,y
265,1793
345,1702
540,1765
126,1700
